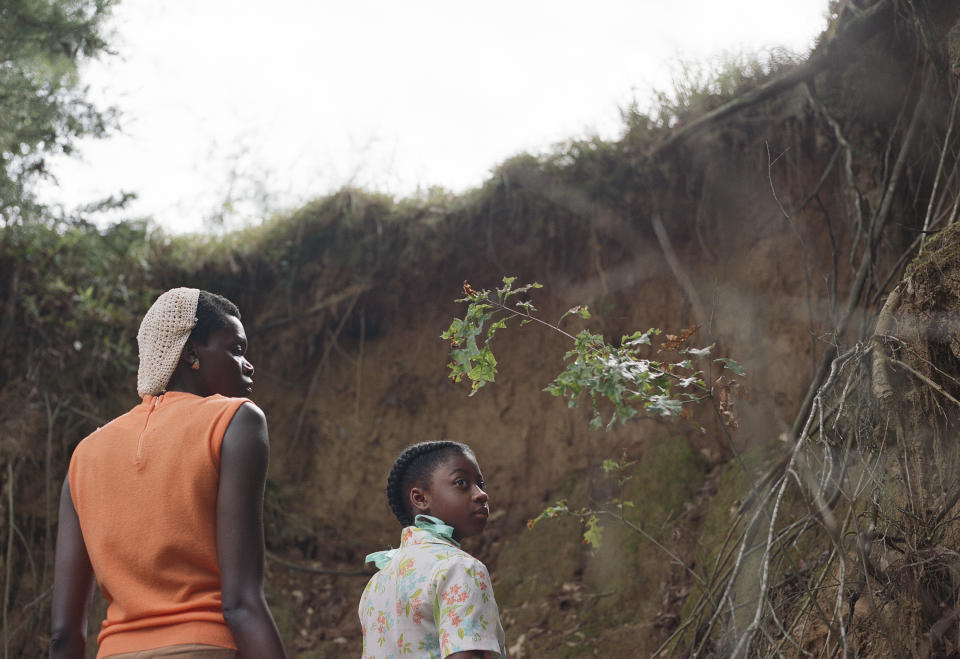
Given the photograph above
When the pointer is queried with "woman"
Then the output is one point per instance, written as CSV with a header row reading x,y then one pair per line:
x,y
163,505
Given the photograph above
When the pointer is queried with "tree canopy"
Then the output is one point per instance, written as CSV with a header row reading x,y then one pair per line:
x,y
44,107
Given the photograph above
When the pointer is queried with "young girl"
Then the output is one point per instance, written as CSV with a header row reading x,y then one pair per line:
x,y
430,598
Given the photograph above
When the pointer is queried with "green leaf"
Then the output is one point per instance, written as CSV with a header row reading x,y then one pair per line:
x,y
484,368
527,307
456,326
504,291
550,512
525,288
500,324
731,365
636,339
686,382
581,310
664,406
700,352
593,535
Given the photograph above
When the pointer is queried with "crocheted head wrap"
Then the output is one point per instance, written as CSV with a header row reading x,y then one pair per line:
x,y
163,333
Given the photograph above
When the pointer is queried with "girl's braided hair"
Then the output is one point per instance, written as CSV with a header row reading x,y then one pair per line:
x,y
413,467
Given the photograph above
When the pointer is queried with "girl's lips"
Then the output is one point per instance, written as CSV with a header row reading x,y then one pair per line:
x,y
483,512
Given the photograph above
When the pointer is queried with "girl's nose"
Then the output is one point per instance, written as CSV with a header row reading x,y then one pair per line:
x,y
247,366
480,495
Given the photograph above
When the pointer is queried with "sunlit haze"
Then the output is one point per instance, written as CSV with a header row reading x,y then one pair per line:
x,y
271,104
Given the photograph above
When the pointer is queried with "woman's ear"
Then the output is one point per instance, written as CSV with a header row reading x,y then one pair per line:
x,y
189,356
419,500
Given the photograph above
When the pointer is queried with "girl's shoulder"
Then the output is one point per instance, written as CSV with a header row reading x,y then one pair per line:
x,y
454,561
426,554
437,552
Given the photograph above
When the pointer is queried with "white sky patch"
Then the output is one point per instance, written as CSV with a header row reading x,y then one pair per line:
x,y
298,98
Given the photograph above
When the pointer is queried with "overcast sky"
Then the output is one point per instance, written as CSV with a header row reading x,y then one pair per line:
x,y
293,99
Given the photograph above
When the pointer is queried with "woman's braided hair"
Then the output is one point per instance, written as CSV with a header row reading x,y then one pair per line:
x,y
413,467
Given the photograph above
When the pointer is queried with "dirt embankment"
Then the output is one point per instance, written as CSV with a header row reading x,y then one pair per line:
x,y
760,247
764,285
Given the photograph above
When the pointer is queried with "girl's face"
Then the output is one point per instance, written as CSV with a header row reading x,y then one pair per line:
x,y
455,495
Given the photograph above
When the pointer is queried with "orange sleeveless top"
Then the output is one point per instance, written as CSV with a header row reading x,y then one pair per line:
x,y
145,490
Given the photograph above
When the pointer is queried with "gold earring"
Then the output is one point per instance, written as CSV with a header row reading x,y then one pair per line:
x,y
195,365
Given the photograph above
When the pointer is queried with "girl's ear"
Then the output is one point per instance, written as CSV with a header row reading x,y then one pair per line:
x,y
420,500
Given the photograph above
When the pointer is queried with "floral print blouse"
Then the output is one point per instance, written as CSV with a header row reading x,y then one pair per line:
x,y
431,600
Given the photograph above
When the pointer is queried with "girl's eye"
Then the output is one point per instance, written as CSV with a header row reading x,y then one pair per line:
x,y
482,484
460,482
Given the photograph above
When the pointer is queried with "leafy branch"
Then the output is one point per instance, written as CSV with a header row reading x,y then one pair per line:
x,y
620,375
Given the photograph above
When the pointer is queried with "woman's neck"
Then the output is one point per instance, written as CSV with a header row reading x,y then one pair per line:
x,y
184,383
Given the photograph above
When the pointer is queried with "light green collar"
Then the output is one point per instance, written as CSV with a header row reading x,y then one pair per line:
x,y
432,525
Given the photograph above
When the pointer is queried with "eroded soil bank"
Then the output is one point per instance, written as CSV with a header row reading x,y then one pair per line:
x,y
751,228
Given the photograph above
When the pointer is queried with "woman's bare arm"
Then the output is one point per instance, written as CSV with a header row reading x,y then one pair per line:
x,y
243,471
72,584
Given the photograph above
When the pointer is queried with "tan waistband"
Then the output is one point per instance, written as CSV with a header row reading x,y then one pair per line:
x,y
183,651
